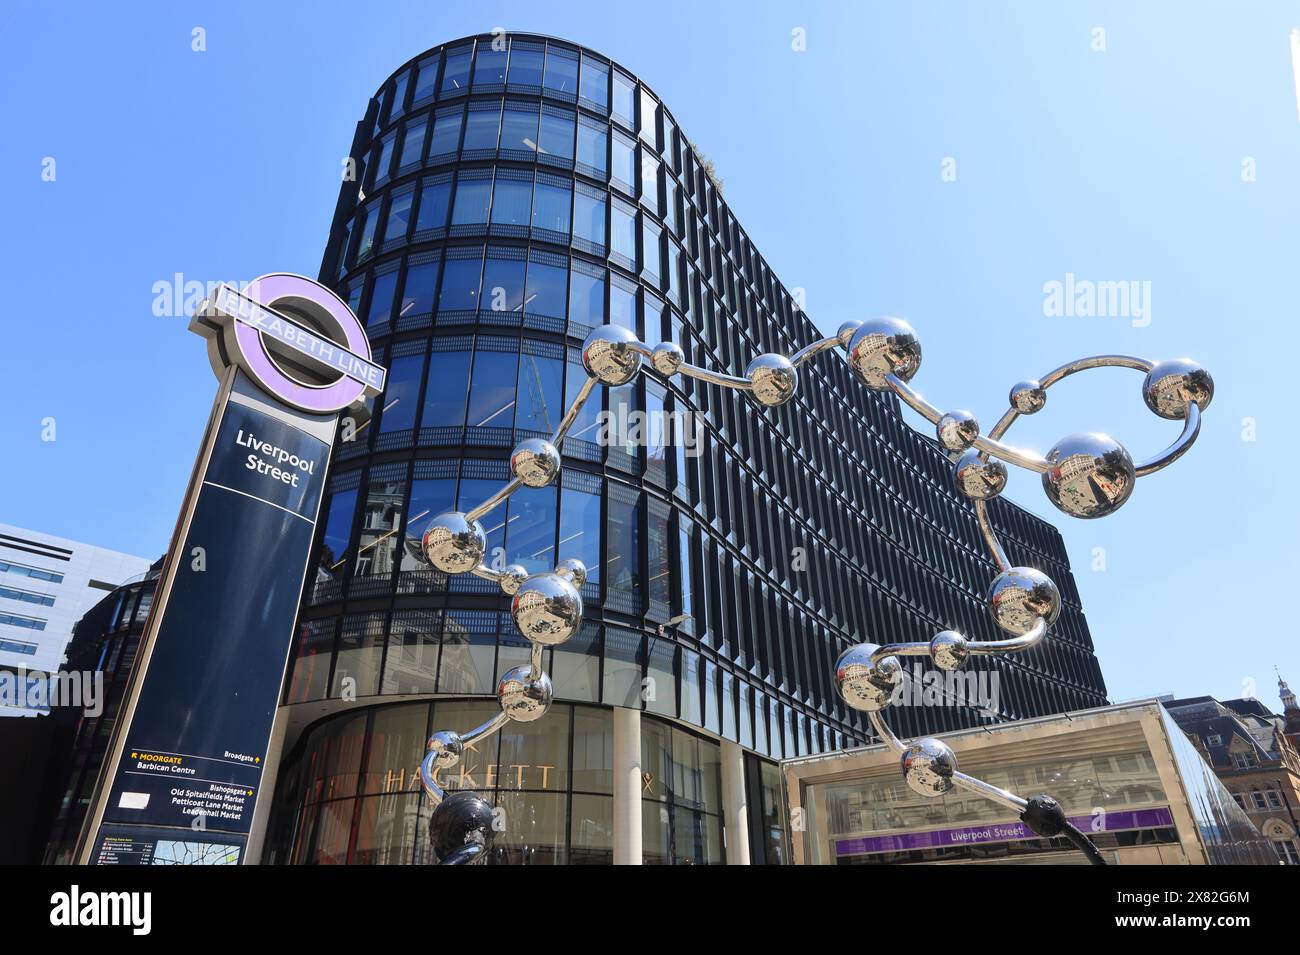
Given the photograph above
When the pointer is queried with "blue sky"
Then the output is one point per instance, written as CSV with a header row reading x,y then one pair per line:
x,y
1164,150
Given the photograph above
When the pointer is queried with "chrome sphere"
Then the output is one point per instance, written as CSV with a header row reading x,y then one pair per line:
x,y
979,480
512,578
774,379
453,543
608,355
862,684
522,697
445,749
463,817
535,462
667,358
847,331
884,346
928,765
1028,397
949,650
1089,475
572,570
957,430
1171,384
1021,596
547,609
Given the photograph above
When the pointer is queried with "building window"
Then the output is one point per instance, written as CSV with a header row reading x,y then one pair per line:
x,y
446,388
525,66
561,73
455,78
544,294
595,83
489,66
624,97
435,200
482,128
35,573
593,147
1244,760
473,199
399,215
519,129
557,136
413,144
1287,852
417,293
381,298
1214,740
26,596
446,134
622,226
401,396
589,217
551,204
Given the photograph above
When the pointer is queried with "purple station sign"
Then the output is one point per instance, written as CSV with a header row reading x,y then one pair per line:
x,y
1111,821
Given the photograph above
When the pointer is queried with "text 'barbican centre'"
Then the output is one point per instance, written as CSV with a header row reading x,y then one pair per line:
x,y
511,194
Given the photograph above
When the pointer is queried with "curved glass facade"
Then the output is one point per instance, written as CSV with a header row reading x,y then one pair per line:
x,y
351,792
510,194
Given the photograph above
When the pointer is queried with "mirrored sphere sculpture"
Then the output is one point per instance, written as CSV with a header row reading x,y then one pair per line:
x,y
1028,397
863,683
1171,385
609,355
454,543
1085,475
524,697
884,346
1020,597
774,379
977,478
535,462
1089,475
949,649
957,430
928,766
547,609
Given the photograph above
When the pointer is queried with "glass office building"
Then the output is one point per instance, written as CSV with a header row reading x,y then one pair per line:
x,y
506,195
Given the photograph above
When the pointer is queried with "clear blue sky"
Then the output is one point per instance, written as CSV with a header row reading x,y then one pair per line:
x,y
1120,164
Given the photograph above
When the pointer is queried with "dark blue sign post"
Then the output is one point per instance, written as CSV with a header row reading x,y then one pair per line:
x,y
184,770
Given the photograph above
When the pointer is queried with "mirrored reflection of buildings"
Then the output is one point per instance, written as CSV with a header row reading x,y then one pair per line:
x,y
1254,753
1126,775
508,197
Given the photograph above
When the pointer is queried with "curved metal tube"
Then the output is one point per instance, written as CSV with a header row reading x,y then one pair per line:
x,y
1096,361
1012,644
1191,429
714,377
1000,559
996,793
816,348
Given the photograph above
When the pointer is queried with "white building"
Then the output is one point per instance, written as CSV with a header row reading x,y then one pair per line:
x,y
46,584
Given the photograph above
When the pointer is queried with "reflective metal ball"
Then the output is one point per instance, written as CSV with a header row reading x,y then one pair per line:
x,y
1028,397
1089,475
512,578
949,650
1171,384
453,543
608,355
847,331
864,685
928,765
463,817
957,430
667,358
774,379
1021,596
884,346
979,480
522,697
547,609
535,462
445,749
572,570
